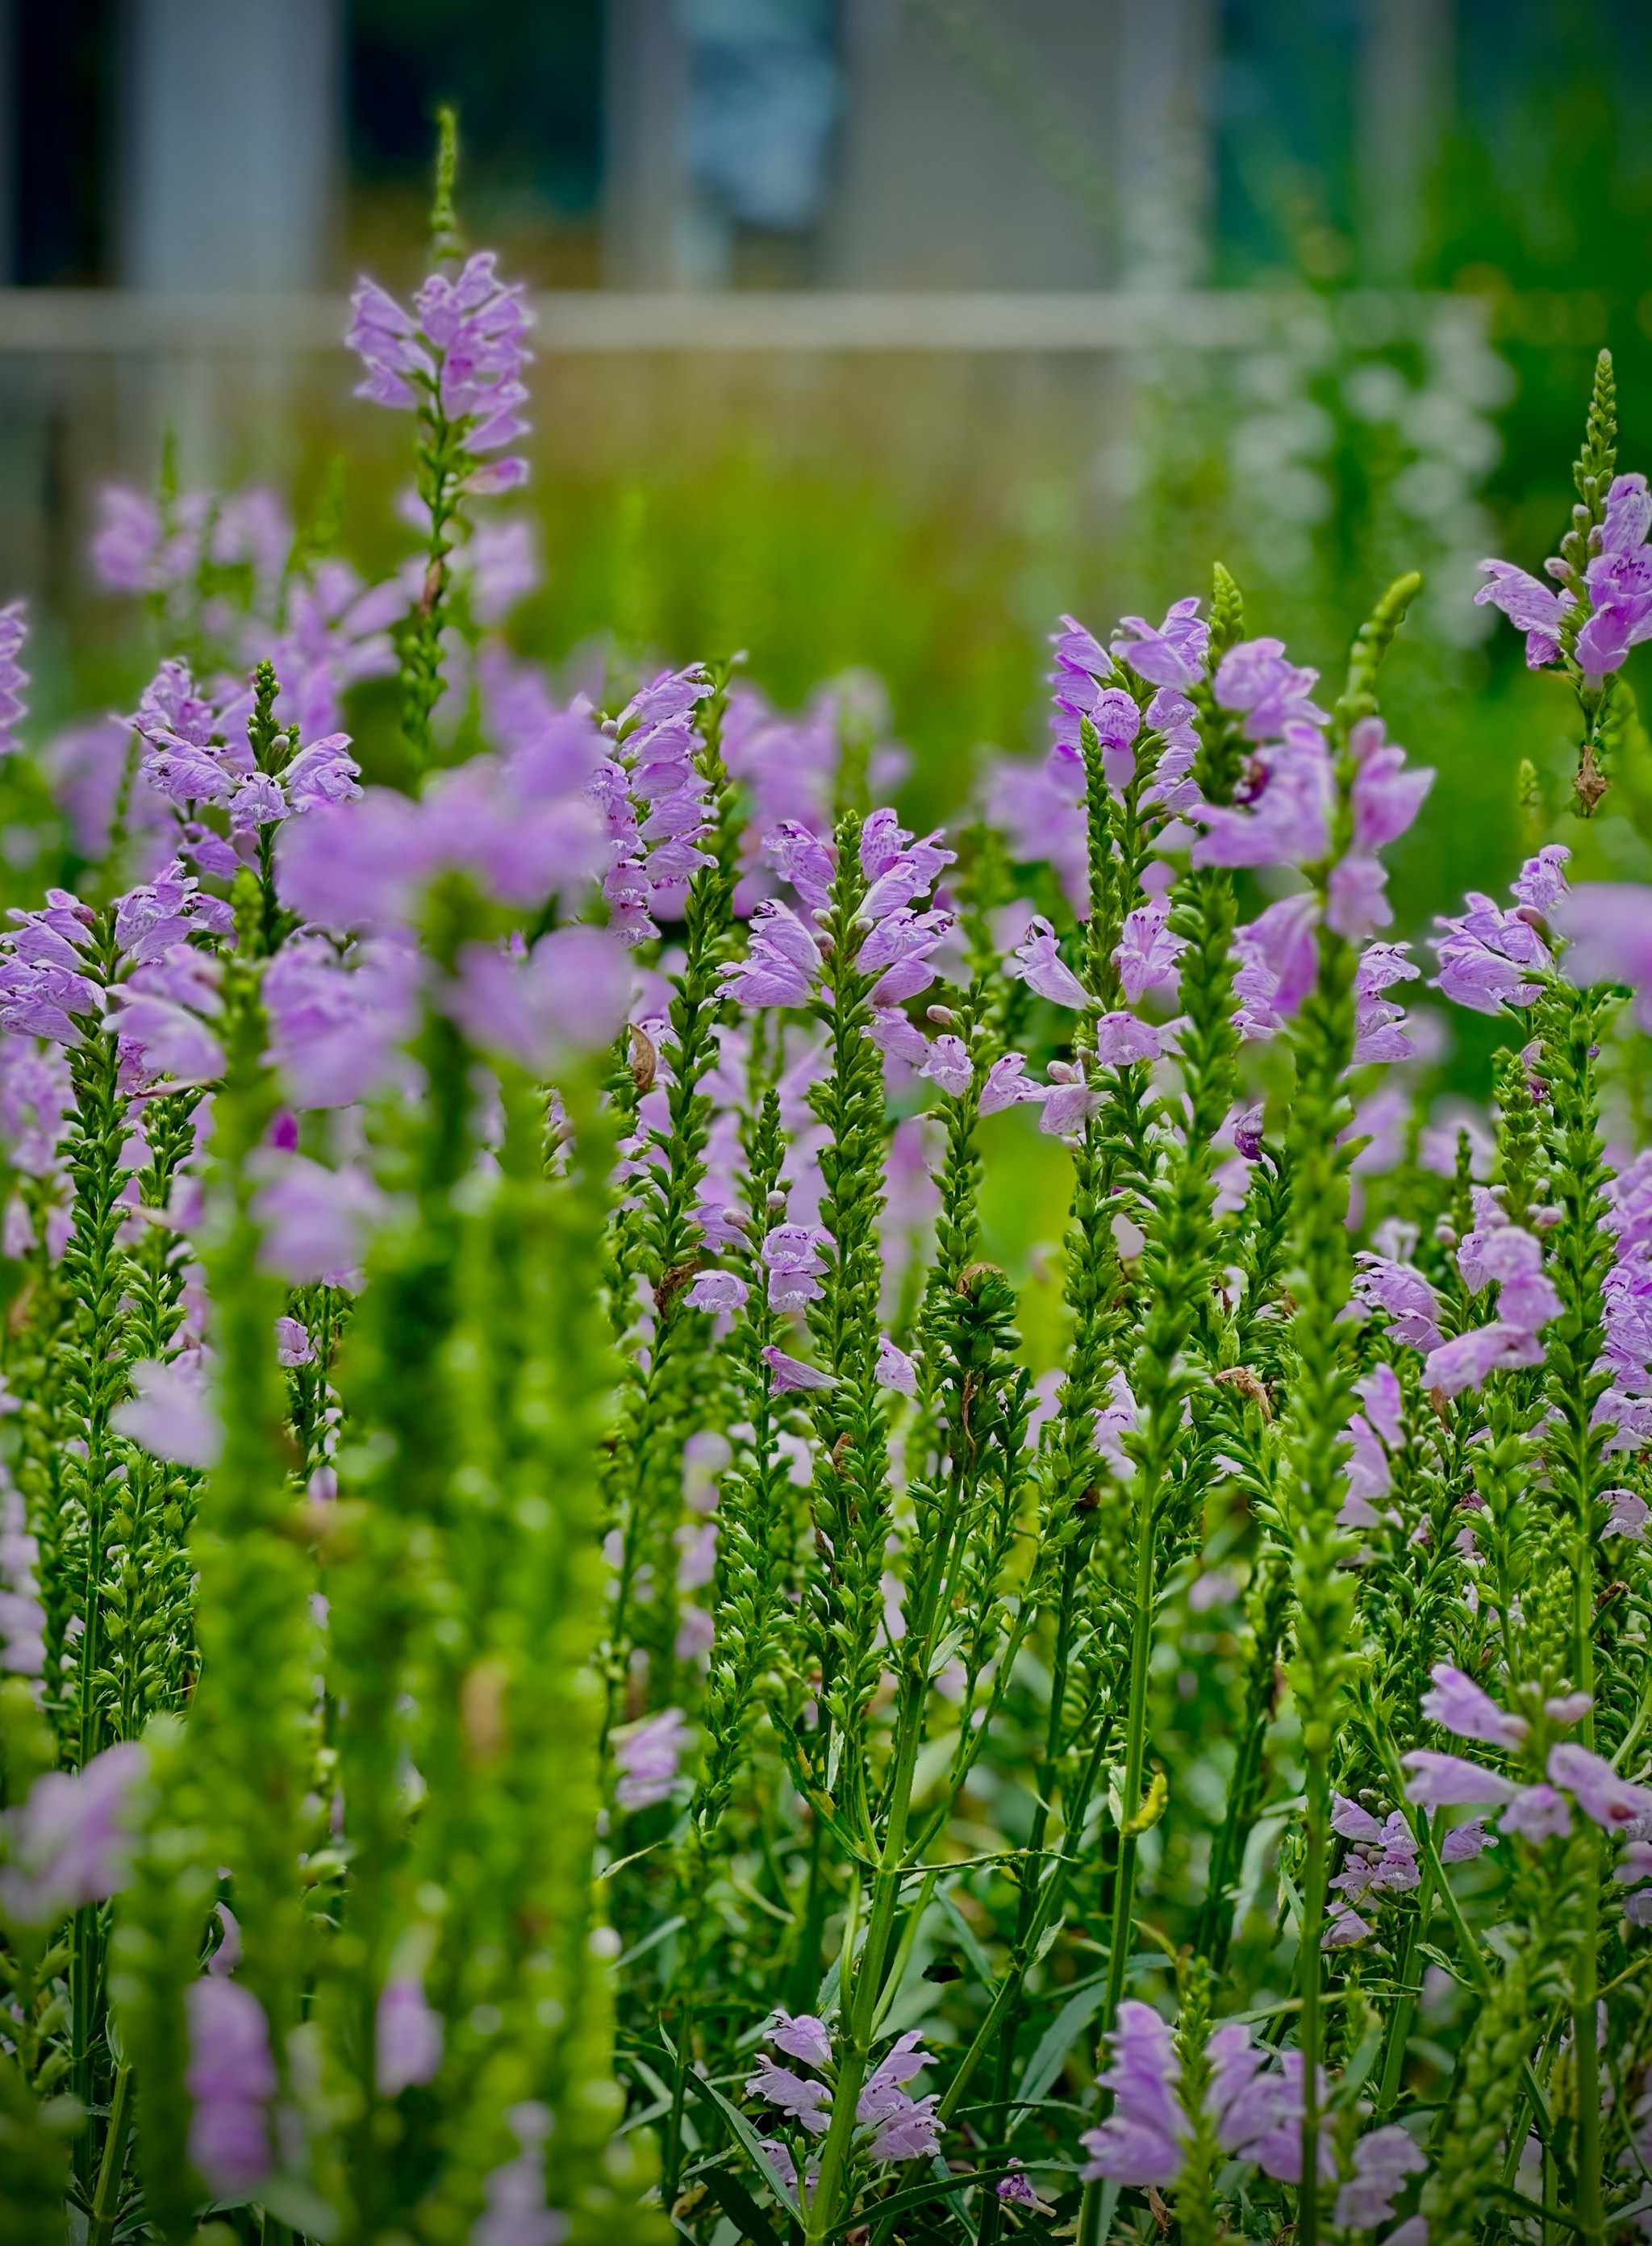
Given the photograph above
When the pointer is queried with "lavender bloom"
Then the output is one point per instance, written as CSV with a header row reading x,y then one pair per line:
x,y
1400,1289
1384,1404
799,2096
516,2214
1122,1039
1387,795
231,2079
1258,679
1383,2159
1465,1362
315,1221
1070,1102
804,2037
1041,810
293,1344
790,1255
792,1377
1174,654
13,677
1611,1802
1609,927
1378,1036
1457,1703
901,944
1017,2190
132,551
1513,1259
67,1844
1247,1133
647,1758
407,2036
1630,1514
1278,960
1037,963
895,1369
717,1290
1488,957
1141,2141
465,353
1538,1813
335,1022
898,868
949,1064
1285,818
802,858
909,2131
1530,607
1464,1842
22,1619
781,961
1146,955
171,1416
570,996
1446,1781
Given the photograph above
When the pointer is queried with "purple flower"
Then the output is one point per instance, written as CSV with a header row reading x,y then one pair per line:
x,y
69,1844
1278,960
1379,1033
570,996
799,2096
803,859
171,1416
1529,606
1629,1514
901,944
792,1377
1174,654
1445,1781
1040,809
1611,1802
1356,898
647,1757
1465,1362
882,2094
407,2036
336,1023
949,1064
909,2130
1038,965
1457,1703
1258,679
1016,2190
1247,1133
315,1221
1513,1259
1070,1102
1384,1404
895,1369
1401,1290
717,1290
1285,818
1538,1813
22,1619
1383,2159
13,677
466,352
1387,795
1122,1039
1140,2143
1006,1084
790,1255
1620,588
782,960
1488,957
898,868
231,2078
516,2213
1147,953
293,1344
1608,927
804,2037
1464,1842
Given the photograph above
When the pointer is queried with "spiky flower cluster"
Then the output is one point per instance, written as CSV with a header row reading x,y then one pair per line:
x,y
559,1648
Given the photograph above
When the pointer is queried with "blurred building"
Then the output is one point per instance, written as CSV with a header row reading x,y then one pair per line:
x,y
199,145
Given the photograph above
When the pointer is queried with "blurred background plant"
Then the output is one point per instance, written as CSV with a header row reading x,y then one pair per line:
x,y
1380,244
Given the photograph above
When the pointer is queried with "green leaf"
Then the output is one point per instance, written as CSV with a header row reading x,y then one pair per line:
x,y
1058,2039
739,2206
967,1942
747,2136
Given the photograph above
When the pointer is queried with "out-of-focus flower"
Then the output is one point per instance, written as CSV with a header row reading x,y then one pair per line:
x,y
69,1842
568,996
231,2079
316,1221
407,2036
1383,2159
647,1757
171,1416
